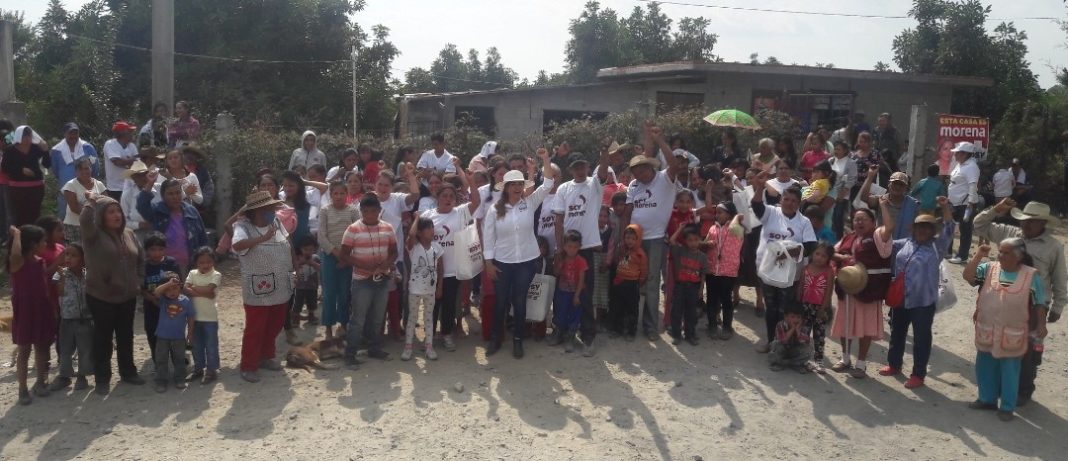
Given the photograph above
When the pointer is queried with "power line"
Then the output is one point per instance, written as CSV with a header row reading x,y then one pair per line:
x,y
822,13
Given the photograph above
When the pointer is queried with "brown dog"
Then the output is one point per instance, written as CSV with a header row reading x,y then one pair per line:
x,y
328,348
305,358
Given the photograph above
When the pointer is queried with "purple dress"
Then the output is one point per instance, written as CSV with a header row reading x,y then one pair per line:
x,y
35,319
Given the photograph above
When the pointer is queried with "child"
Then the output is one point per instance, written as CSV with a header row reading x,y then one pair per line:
x,y
600,265
792,347
425,282
823,178
816,216
570,283
334,219
173,331
632,269
33,324
157,263
306,290
54,238
681,215
724,240
689,265
817,284
201,285
927,190
76,322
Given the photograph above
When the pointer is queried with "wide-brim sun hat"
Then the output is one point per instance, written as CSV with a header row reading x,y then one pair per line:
x,y
137,167
1034,210
925,219
513,176
853,278
639,160
616,147
259,199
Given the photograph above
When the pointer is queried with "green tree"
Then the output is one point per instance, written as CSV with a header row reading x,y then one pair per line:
x,y
650,34
496,72
450,70
693,41
596,39
882,67
418,80
474,70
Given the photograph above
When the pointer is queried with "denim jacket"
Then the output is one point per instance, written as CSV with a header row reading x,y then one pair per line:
x,y
160,216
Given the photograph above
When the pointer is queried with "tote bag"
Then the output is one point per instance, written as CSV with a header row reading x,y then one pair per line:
x,y
947,294
540,297
467,253
779,273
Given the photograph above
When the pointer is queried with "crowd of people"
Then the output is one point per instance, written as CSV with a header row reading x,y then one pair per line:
x,y
833,240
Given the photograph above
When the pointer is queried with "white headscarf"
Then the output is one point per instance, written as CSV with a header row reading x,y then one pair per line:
x,y
488,149
16,136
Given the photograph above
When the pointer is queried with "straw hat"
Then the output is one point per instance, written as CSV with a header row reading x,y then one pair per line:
x,y
259,199
616,147
513,176
925,219
638,160
152,151
137,167
1034,210
853,278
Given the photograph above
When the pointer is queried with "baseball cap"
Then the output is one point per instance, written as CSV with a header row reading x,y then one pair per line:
x,y
965,146
70,126
121,127
900,177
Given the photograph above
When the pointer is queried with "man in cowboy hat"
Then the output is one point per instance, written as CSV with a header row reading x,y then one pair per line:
x,y
141,178
1048,255
119,153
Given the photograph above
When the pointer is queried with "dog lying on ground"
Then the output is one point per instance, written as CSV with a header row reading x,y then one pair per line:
x,y
328,348
312,355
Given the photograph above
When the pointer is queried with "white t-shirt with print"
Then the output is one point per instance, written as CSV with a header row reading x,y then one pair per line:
x,y
780,186
777,226
445,228
393,210
432,161
423,278
652,203
580,206
72,218
547,222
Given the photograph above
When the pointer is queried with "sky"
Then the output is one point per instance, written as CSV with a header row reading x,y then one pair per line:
x,y
532,34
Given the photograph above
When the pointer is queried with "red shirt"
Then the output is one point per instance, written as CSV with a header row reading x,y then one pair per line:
x,y
679,219
571,272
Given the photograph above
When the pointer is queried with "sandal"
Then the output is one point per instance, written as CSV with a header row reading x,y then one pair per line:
x,y
815,367
841,366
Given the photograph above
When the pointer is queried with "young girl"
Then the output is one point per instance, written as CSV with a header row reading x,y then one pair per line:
x,y
424,284
337,279
681,215
823,179
76,326
54,238
817,285
353,188
201,286
570,283
349,159
34,317
371,164
724,243
632,268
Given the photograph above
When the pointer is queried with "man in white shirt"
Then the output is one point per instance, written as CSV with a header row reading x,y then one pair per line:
x,y
1004,183
963,194
650,199
308,154
119,153
140,177
437,159
577,207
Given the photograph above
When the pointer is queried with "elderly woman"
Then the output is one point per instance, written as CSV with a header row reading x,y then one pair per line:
x,y
175,218
860,316
74,194
764,158
22,165
917,259
1011,296
263,248
115,266
511,251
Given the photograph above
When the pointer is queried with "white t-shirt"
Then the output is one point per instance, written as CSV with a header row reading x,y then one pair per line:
x,y
113,173
962,183
445,228
423,278
79,192
207,310
1003,183
779,227
489,197
580,206
652,203
432,161
426,203
780,186
547,222
338,174
393,209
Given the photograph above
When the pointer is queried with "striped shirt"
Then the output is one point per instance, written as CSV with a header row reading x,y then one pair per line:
x,y
370,245
332,225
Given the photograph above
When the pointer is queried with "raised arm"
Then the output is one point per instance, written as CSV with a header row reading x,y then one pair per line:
x,y
888,221
474,198
865,189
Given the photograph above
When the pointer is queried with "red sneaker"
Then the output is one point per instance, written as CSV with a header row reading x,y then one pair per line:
x,y
889,371
914,382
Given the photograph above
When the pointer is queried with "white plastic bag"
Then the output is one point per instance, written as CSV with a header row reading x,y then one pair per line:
x,y
875,191
779,273
947,294
468,253
540,297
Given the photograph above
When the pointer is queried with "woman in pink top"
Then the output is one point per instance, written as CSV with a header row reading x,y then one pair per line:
x,y
724,243
814,153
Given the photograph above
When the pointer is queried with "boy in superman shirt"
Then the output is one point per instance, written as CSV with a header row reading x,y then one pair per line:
x,y
173,332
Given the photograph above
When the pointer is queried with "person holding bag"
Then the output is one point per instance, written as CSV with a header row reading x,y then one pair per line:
x,y
916,267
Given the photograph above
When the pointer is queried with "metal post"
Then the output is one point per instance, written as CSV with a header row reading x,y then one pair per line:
x,y
355,110
163,52
224,178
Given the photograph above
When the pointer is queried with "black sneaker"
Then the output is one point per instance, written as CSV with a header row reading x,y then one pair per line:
x,y
378,355
134,379
692,340
517,349
492,348
59,384
676,340
351,363
81,383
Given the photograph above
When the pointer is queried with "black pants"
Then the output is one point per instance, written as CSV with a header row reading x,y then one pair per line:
x,y
304,297
775,300
921,319
1029,370
623,301
684,306
113,320
588,327
965,227
841,210
151,321
445,308
719,300
115,194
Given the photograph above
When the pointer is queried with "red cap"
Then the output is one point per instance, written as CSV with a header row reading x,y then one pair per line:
x,y
121,127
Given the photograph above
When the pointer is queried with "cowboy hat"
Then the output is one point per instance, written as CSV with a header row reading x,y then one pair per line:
x,y
137,167
513,176
925,219
152,151
853,278
1034,210
259,199
639,160
616,147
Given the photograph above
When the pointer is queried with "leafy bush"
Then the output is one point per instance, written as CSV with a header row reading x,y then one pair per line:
x,y
1034,132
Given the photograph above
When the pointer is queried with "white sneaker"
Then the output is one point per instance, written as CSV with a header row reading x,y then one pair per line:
x,y
955,260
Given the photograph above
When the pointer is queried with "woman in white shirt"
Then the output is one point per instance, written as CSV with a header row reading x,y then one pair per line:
x,y
963,194
349,159
174,168
511,251
74,196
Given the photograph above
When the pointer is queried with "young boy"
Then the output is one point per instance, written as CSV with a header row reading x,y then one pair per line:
x,y
424,284
928,189
157,263
306,290
570,283
792,346
174,331
689,265
201,285
815,215
370,247
631,271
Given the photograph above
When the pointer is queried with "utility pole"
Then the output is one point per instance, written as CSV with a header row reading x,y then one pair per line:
x,y
355,111
163,52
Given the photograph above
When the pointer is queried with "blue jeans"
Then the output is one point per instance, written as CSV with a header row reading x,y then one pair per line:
x,y
567,317
921,319
368,310
206,345
998,378
336,283
655,250
513,282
